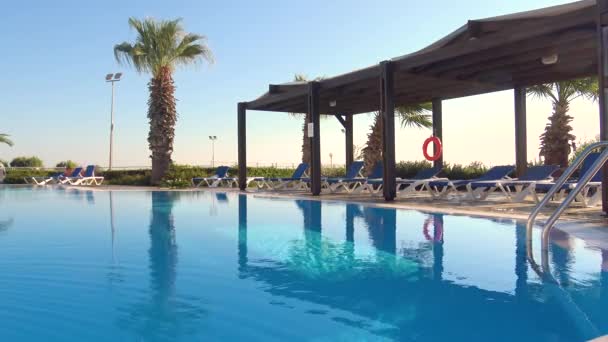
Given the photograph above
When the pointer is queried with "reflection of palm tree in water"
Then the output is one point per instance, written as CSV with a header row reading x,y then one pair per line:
x,y
163,248
164,314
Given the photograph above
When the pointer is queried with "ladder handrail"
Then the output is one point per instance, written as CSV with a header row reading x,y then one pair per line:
x,y
597,165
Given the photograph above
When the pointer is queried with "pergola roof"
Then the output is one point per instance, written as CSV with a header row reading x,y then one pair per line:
x,y
482,56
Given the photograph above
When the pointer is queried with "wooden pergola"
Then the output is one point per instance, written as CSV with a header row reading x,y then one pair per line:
x,y
500,53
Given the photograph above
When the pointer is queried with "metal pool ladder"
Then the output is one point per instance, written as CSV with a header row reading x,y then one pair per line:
x,y
582,182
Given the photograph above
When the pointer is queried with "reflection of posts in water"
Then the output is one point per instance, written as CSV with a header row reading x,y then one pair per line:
x,y
352,210
382,228
112,230
560,247
163,248
604,278
311,212
242,249
438,232
521,262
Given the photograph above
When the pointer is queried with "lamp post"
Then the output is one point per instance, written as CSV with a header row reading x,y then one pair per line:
x,y
213,138
112,78
331,160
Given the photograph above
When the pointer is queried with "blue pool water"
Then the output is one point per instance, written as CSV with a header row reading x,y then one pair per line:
x,y
191,266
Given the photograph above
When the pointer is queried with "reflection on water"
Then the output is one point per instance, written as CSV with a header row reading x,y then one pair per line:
x,y
286,270
163,315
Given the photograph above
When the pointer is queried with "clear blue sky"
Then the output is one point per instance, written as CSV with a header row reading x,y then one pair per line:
x,y
55,103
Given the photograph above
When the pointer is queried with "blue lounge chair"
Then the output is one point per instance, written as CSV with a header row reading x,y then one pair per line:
x,y
295,181
350,182
220,178
591,194
442,188
514,189
54,178
374,182
88,178
417,183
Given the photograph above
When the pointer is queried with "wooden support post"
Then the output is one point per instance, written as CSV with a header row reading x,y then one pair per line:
x,y
242,142
348,140
521,139
438,129
602,44
313,110
387,107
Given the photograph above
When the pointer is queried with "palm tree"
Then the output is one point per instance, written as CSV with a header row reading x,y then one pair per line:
x,y
159,48
4,139
556,141
305,140
410,116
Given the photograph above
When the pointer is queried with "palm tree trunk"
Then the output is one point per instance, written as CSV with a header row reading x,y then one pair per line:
x,y
556,140
372,152
306,149
162,115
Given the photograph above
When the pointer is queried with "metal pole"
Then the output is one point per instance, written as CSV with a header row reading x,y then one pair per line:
x,y
111,127
212,153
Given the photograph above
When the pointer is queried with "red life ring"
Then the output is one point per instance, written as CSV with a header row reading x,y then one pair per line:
x,y
438,146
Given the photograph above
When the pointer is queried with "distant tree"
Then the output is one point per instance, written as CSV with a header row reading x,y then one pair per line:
x,y
557,139
4,162
26,162
410,116
159,48
4,139
306,157
67,164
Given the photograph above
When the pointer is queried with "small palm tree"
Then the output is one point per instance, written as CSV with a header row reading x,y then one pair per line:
x,y
159,48
410,116
4,139
556,141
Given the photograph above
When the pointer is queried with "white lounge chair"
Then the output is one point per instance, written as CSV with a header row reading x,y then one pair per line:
x,y
220,178
88,178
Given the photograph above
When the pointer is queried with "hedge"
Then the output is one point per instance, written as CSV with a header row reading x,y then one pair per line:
x,y
179,176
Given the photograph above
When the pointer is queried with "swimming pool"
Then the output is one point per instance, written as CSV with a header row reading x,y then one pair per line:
x,y
182,266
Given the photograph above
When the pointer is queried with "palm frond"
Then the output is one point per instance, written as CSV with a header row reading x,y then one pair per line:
x,y
161,44
4,139
415,115
542,91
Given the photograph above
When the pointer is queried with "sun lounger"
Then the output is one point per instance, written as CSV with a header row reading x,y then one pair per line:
x,y
56,178
220,178
88,178
349,183
591,194
442,188
374,182
418,182
514,189
293,182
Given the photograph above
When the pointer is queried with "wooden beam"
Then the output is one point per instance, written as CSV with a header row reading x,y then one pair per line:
x,y
438,129
242,148
341,119
387,105
521,140
602,56
313,109
348,140
284,88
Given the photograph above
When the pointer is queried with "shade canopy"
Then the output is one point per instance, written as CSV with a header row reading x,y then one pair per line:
x,y
517,50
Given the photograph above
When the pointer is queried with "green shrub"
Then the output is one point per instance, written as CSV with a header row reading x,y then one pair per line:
x,y
26,162
126,177
408,169
458,171
67,164
16,176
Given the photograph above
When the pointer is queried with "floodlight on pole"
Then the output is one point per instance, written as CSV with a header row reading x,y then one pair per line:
x,y
213,138
112,78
